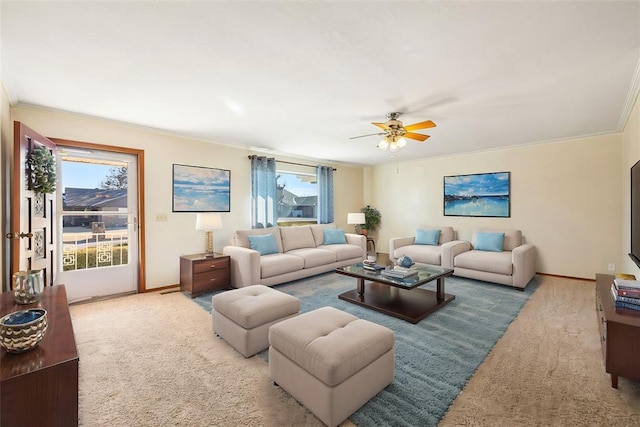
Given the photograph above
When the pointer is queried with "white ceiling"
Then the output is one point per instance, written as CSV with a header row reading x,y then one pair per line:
x,y
301,77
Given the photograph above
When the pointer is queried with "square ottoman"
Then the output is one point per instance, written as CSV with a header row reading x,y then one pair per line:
x,y
242,317
331,361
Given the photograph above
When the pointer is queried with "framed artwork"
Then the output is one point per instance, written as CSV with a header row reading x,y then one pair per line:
x,y
482,194
200,189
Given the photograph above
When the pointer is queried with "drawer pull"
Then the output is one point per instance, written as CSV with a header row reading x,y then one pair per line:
x,y
212,280
213,266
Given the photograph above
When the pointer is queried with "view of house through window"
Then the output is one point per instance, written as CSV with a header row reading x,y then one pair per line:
x,y
297,197
94,215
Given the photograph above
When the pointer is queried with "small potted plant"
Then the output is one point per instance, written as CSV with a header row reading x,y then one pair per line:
x,y
372,219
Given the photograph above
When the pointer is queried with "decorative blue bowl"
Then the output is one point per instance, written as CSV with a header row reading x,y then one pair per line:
x,y
23,330
405,261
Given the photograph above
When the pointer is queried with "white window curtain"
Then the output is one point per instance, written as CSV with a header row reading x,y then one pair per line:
x,y
325,194
263,192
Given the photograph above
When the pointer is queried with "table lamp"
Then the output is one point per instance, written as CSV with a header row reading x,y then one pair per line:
x,y
208,222
356,218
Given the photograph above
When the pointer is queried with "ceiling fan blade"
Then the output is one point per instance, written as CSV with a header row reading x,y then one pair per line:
x,y
371,134
381,125
421,125
416,136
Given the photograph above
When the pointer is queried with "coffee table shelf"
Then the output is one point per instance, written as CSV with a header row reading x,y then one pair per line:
x,y
398,298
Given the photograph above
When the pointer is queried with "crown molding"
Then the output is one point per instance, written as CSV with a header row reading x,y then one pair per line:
x,y
634,90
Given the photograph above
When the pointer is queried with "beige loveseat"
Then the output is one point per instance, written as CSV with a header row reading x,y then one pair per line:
x,y
301,252
441,254
514,265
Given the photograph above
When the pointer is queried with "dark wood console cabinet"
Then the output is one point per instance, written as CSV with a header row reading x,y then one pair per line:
x,y
40,387
619,334
200,274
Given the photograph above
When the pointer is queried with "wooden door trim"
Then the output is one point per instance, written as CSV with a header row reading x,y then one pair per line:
x,y
142,285
16,175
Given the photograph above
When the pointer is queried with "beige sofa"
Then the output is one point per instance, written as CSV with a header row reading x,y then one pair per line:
x,y
441,254
515,265
301,252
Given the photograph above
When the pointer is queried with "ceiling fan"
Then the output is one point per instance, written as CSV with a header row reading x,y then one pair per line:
x,y
395,133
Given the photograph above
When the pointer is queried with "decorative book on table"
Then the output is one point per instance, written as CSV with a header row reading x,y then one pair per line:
x,y
400,272
624,290
621,298
627,284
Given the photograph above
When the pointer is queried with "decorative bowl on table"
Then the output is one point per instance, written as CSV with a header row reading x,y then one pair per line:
x,y
23,330
405,261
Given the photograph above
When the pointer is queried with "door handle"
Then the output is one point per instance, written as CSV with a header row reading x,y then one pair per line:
x,y
17,236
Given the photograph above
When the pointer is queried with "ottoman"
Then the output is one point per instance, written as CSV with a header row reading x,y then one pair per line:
x,y
330,361
242,317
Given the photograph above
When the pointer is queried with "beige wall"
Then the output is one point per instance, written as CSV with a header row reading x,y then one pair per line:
x,y
631,150
569,198
565,197
6,143
166,241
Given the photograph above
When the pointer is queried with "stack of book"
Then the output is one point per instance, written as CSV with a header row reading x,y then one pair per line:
x,y
398,272
626,293
371,265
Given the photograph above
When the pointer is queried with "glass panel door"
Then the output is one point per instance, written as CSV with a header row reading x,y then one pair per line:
x,y
98,216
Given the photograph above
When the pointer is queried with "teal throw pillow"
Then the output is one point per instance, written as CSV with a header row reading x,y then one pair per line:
x,y
427,237
489,242
334,236
265,244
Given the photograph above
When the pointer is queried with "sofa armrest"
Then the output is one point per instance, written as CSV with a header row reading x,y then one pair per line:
x,y
398,242
451,249
524,264
245,266
358,240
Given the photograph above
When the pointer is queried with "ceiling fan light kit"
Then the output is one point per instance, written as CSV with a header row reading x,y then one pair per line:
x,y
395,133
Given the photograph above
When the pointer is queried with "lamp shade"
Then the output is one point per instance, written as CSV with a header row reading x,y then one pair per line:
x,y
355,218
208,221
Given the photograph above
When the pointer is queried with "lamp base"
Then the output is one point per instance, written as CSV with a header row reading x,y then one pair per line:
x,y
208,235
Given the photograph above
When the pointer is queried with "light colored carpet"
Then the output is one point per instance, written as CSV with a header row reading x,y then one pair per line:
x,y
152,360
547,370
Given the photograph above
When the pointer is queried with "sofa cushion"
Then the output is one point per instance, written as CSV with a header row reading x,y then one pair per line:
x,y
334,236
512,238
425,254
297,237
427,237
489,242
318,232
265,244
447,234
276,264
344,252
242,236
491,262
314,257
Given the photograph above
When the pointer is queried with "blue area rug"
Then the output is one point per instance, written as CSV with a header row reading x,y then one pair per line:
x,y
434,358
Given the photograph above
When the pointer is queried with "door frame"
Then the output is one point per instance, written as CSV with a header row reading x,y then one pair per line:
x,y
142,287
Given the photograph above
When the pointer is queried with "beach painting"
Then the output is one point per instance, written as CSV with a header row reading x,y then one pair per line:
x,y
201,189
482,194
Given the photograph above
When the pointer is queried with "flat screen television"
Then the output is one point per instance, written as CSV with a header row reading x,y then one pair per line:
x,y
635,213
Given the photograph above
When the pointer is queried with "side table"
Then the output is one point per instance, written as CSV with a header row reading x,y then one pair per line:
x,y
40,387
373,244
200,273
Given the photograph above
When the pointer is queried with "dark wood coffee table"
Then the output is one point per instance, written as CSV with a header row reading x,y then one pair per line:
x,y
401,298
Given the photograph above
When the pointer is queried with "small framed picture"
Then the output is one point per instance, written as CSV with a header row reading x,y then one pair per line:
x,y
201,189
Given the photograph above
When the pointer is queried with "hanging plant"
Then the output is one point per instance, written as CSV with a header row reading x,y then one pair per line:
x,y
43,170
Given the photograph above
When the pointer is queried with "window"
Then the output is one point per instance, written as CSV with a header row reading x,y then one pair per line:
x,y
297,197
